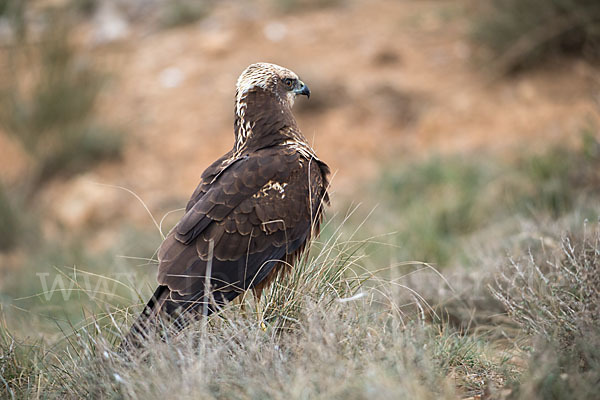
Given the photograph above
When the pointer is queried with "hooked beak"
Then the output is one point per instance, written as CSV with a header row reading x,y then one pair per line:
x,y
302,89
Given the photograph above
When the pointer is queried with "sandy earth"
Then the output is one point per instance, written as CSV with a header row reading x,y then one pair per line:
x,y
390,81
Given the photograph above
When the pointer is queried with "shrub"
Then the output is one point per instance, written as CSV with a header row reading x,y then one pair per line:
x,y
436,202
435,205
294,6
9,224
522,33
553,373
183,12
47,102
558,296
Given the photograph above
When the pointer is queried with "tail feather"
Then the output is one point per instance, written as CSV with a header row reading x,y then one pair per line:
x,y
148,320
169,309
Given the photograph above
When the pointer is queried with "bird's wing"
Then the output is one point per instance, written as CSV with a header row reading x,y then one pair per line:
x,y
257,211
209,176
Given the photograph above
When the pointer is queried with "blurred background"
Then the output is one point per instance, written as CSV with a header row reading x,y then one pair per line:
x,y
459,131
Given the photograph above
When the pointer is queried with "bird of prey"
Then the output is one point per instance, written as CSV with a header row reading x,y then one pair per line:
x,y
252,213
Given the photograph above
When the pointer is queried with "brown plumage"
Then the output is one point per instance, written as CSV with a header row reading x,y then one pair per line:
x,y
258,205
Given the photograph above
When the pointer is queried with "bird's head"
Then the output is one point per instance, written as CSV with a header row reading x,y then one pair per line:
x,y
280,81
265,94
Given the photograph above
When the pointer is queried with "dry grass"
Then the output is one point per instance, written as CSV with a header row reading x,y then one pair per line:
x,y
334,330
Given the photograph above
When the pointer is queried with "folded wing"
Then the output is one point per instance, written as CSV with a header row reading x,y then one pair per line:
x,y
257,212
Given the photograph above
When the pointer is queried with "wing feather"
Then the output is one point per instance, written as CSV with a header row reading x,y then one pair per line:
x,y
256,213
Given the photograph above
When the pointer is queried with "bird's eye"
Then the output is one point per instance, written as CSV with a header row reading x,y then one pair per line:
x,y
289,82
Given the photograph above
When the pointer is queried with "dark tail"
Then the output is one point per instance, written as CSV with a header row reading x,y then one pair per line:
x,y
170,313
149,321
